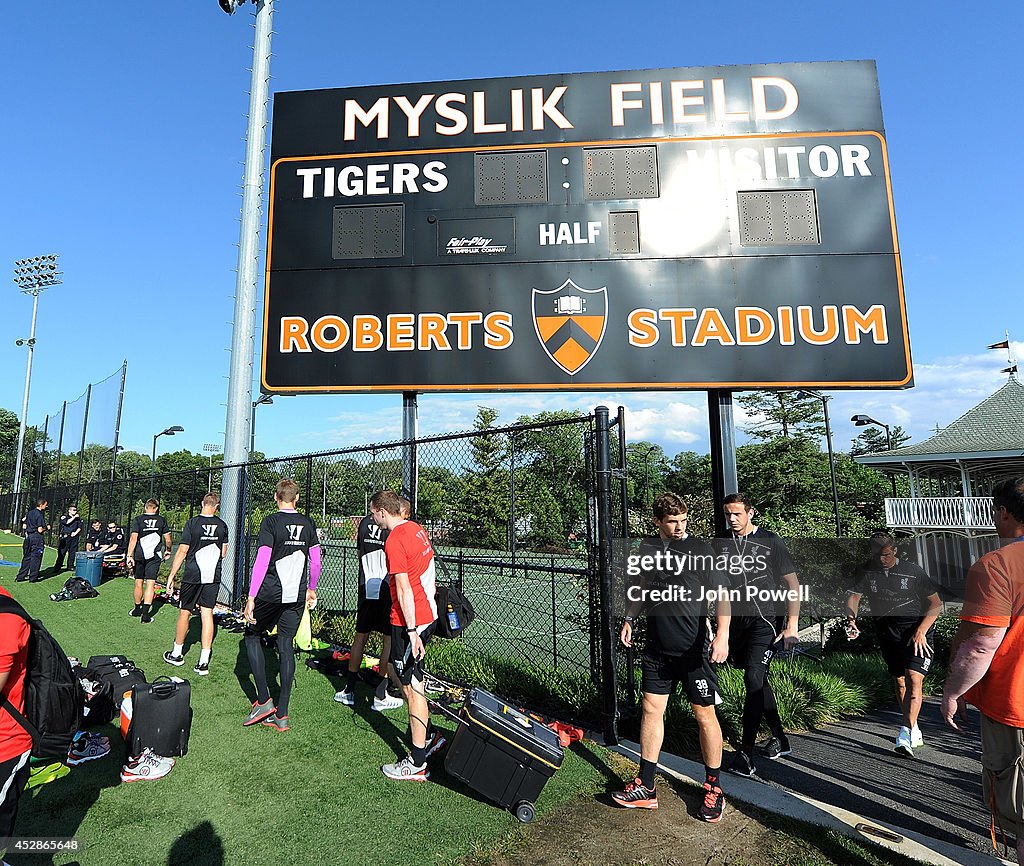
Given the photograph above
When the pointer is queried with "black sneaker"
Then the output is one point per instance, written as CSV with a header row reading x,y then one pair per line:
x,y
777,747
172,659
146,619
742,764
714,803
636,796
135,612
202,668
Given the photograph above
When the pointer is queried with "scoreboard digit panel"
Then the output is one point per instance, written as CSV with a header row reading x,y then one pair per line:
x,y
763,255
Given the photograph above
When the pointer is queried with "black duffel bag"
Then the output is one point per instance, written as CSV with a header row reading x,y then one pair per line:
x,y
454,612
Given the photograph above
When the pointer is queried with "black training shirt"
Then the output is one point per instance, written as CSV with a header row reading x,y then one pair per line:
x,y
205,537
289,535
373,564
150,529
898,594
759,561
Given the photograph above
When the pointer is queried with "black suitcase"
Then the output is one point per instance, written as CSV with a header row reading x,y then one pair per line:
x,y
161,718
503,754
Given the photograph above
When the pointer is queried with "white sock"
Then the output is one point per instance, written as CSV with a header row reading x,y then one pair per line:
x,y
179,649
204,656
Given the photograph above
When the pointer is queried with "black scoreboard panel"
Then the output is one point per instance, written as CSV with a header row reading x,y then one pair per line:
x,y
760,257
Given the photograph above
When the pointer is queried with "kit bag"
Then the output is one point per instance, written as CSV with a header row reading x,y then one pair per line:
x,y
454,612
161,718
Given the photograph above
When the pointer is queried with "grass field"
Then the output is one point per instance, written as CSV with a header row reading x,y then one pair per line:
x,y
255,796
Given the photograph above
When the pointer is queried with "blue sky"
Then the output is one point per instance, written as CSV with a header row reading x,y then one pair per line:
x,y
124,137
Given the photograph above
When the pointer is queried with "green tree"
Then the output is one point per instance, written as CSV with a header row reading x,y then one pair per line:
x,y
872,440
480,515
788,414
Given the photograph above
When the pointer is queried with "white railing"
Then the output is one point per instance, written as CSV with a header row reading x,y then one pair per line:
x,y
940,512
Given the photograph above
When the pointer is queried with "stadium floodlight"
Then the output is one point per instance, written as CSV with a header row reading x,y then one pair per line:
x,y
32,276
230,6
861,420
170,431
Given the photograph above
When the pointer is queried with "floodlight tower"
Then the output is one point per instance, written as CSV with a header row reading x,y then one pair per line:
x,y
32,276
239,403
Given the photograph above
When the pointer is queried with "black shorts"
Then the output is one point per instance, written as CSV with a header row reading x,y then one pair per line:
x,y
409,670
147,569
14,774
898,652
374,614
752,642
661,674
197,595
269,614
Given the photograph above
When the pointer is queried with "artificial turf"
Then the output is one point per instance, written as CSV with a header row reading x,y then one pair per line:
x,y
252,795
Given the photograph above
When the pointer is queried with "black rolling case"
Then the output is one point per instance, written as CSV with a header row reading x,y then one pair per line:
x,y
503,754
161,718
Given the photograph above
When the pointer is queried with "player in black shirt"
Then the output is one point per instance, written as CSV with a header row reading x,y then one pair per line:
x,y
34,544
759,628
203,544
904,604
94,537
284,579
148,546
67,544
676,574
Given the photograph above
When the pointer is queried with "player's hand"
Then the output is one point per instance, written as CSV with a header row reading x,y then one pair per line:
x,y
310,599
787,638
169,589
720,648
248,613
167,554
416,644
953,710
919,641
852,632
626,635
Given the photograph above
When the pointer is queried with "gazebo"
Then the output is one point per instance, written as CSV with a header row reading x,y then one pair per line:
x,y
951,475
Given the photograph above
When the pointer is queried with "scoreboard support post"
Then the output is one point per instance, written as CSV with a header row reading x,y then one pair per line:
x,y
722,433
410,432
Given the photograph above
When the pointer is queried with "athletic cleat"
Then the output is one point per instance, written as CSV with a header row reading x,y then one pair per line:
x,y
386,703
88,749
777,747
435,743
742,764
406,771
904,743
147,767
259,712
346,696
135,612
713,807
172,659
278,723
636,796
201,668
916,738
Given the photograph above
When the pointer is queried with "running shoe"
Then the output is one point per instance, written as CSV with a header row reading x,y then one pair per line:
x,y
346,696
135,612
172,659
388,702
916,738
742,764
147,767
146,619
904,743
636,796
714,804
259,712
436,742
278,723
406,771
87,749
777,747
202,668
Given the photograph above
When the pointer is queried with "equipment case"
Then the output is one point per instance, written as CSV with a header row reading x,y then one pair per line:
x,y
503,754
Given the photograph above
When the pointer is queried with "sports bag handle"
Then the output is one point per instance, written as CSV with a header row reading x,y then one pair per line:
x,y
163,687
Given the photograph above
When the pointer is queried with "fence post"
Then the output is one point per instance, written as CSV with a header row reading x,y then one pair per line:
x,y
604,565
554,613
624,494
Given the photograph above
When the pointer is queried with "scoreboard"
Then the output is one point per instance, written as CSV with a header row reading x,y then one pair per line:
x,y
682,228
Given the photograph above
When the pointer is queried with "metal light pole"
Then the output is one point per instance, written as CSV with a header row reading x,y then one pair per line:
x,y
867,420
237,430
170,431
264,400
32,276
211,449
831,456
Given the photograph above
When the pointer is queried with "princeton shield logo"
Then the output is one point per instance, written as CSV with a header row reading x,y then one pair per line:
x,y
570,323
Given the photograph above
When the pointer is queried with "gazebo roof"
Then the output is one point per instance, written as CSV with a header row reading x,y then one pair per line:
x,y
992,429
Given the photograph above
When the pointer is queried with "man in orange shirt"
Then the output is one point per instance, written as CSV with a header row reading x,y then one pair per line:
x,y
410,562
15,742
987,663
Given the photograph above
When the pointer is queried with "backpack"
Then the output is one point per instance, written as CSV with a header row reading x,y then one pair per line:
x,y
461,610
53,695
76,587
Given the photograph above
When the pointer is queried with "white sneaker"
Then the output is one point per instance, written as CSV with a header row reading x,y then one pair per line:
x,y
388,702
405,770
916,739
88,749
905,743
346,696
146,767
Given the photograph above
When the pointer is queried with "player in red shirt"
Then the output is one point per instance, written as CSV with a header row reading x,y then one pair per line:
x,y
410,561
15,742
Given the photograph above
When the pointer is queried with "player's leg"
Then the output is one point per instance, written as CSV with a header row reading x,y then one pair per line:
x,y
758,656
176,655
410,671
347,695
26,560
266,615
657,683
287,627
